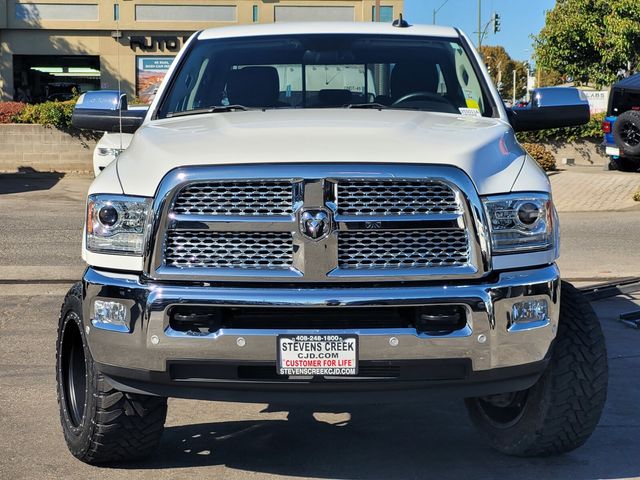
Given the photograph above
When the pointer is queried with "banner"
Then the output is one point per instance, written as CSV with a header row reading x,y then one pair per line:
x,y
149,75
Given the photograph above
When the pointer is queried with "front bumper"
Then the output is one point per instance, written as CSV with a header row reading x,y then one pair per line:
x,y
489,355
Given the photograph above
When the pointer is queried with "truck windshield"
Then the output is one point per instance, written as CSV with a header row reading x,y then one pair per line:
x,y
326,71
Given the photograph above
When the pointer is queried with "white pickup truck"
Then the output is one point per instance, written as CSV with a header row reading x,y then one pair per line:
x,y
326,213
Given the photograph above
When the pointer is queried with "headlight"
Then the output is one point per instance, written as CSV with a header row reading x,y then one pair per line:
x,y
521,222
117,223
114,152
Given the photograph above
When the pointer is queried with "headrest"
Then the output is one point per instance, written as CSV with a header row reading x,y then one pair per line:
x,y
254,86
414,77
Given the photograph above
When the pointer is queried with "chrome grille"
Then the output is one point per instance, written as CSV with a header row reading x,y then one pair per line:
x,y
255,250
244,198
395,197
396,250
245,223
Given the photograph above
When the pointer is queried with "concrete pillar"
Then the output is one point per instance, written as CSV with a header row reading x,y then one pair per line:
x,y
6,71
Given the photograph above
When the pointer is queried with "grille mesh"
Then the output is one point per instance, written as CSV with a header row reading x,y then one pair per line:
x,y
395,197
264,198
389,250
255,250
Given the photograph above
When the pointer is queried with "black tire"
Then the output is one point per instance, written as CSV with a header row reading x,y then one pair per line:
x,y
624,164
100,424
561,411
626,133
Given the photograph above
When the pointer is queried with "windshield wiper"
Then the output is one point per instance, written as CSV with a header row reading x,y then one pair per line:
x,y
214,109
375,106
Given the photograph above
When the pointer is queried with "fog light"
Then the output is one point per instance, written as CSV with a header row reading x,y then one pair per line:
x,y
110,316
529,314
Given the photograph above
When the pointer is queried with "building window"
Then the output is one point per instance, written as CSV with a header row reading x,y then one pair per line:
x,y
35,12
185,13
255,14
326,13
116,12
386,14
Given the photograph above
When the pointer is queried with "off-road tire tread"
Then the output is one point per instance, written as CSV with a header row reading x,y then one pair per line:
x,y
124,426
576,382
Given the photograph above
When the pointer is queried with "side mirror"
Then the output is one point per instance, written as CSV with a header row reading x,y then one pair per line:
x,y
106,111
551,107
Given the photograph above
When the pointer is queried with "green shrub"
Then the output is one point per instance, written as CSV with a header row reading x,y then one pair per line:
x,y
55,114
10,110
592,130
541,155
636,196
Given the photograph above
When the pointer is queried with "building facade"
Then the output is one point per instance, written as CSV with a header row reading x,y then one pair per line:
x,y
49,47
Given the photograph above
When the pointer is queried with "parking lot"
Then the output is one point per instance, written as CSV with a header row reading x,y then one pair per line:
x,y
39,257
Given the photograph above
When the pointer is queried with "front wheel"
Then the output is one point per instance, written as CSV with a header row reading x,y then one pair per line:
x,y
100,424
561,411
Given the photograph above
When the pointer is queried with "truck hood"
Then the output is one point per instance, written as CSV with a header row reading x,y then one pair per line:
x,y
484,148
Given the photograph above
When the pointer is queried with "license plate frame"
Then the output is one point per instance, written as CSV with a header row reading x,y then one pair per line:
x,y
324,359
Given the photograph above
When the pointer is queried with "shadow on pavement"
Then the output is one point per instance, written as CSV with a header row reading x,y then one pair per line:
x,y
434,439
27,180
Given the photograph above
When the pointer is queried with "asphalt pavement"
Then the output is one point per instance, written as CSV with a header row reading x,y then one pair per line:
x,y
241,441
40,223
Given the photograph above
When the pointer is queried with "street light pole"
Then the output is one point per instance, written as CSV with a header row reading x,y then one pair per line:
x,y
436,10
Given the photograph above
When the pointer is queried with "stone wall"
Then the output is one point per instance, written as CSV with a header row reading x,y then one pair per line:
x,y
584,152
44,149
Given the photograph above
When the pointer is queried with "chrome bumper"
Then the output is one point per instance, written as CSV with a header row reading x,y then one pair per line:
x,y
489,341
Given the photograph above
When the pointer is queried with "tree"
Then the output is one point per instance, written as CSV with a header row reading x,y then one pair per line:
x,y
590,40
548,78
501,67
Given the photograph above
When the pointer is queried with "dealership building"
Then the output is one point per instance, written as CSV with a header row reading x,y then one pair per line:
x,y
48,47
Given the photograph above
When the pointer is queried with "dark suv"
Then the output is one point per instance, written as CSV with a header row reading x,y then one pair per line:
x,y
622,125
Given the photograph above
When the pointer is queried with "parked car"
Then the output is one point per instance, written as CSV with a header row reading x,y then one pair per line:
x,y
621,127
112,144
60,97
264,240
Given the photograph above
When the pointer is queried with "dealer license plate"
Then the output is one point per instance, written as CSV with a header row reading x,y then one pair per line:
x,y
322,355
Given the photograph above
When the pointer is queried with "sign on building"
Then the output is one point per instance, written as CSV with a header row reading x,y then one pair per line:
x,y
149,75
598,100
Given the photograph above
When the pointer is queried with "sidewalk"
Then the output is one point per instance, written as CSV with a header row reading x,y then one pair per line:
x,y
592,189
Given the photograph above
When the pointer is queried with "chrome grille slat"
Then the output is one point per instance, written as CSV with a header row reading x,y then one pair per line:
x,y
241,198
395,197
399,250
234,250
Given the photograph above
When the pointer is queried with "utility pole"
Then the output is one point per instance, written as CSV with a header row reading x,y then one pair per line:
x,y
515,79
479,24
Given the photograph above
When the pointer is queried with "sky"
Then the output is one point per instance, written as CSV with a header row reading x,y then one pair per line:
x,y
520,19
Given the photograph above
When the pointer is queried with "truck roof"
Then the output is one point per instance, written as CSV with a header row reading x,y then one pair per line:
x,y
630,83
297,28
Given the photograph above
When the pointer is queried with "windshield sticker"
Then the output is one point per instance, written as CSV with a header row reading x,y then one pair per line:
x,y
471,103
470,112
